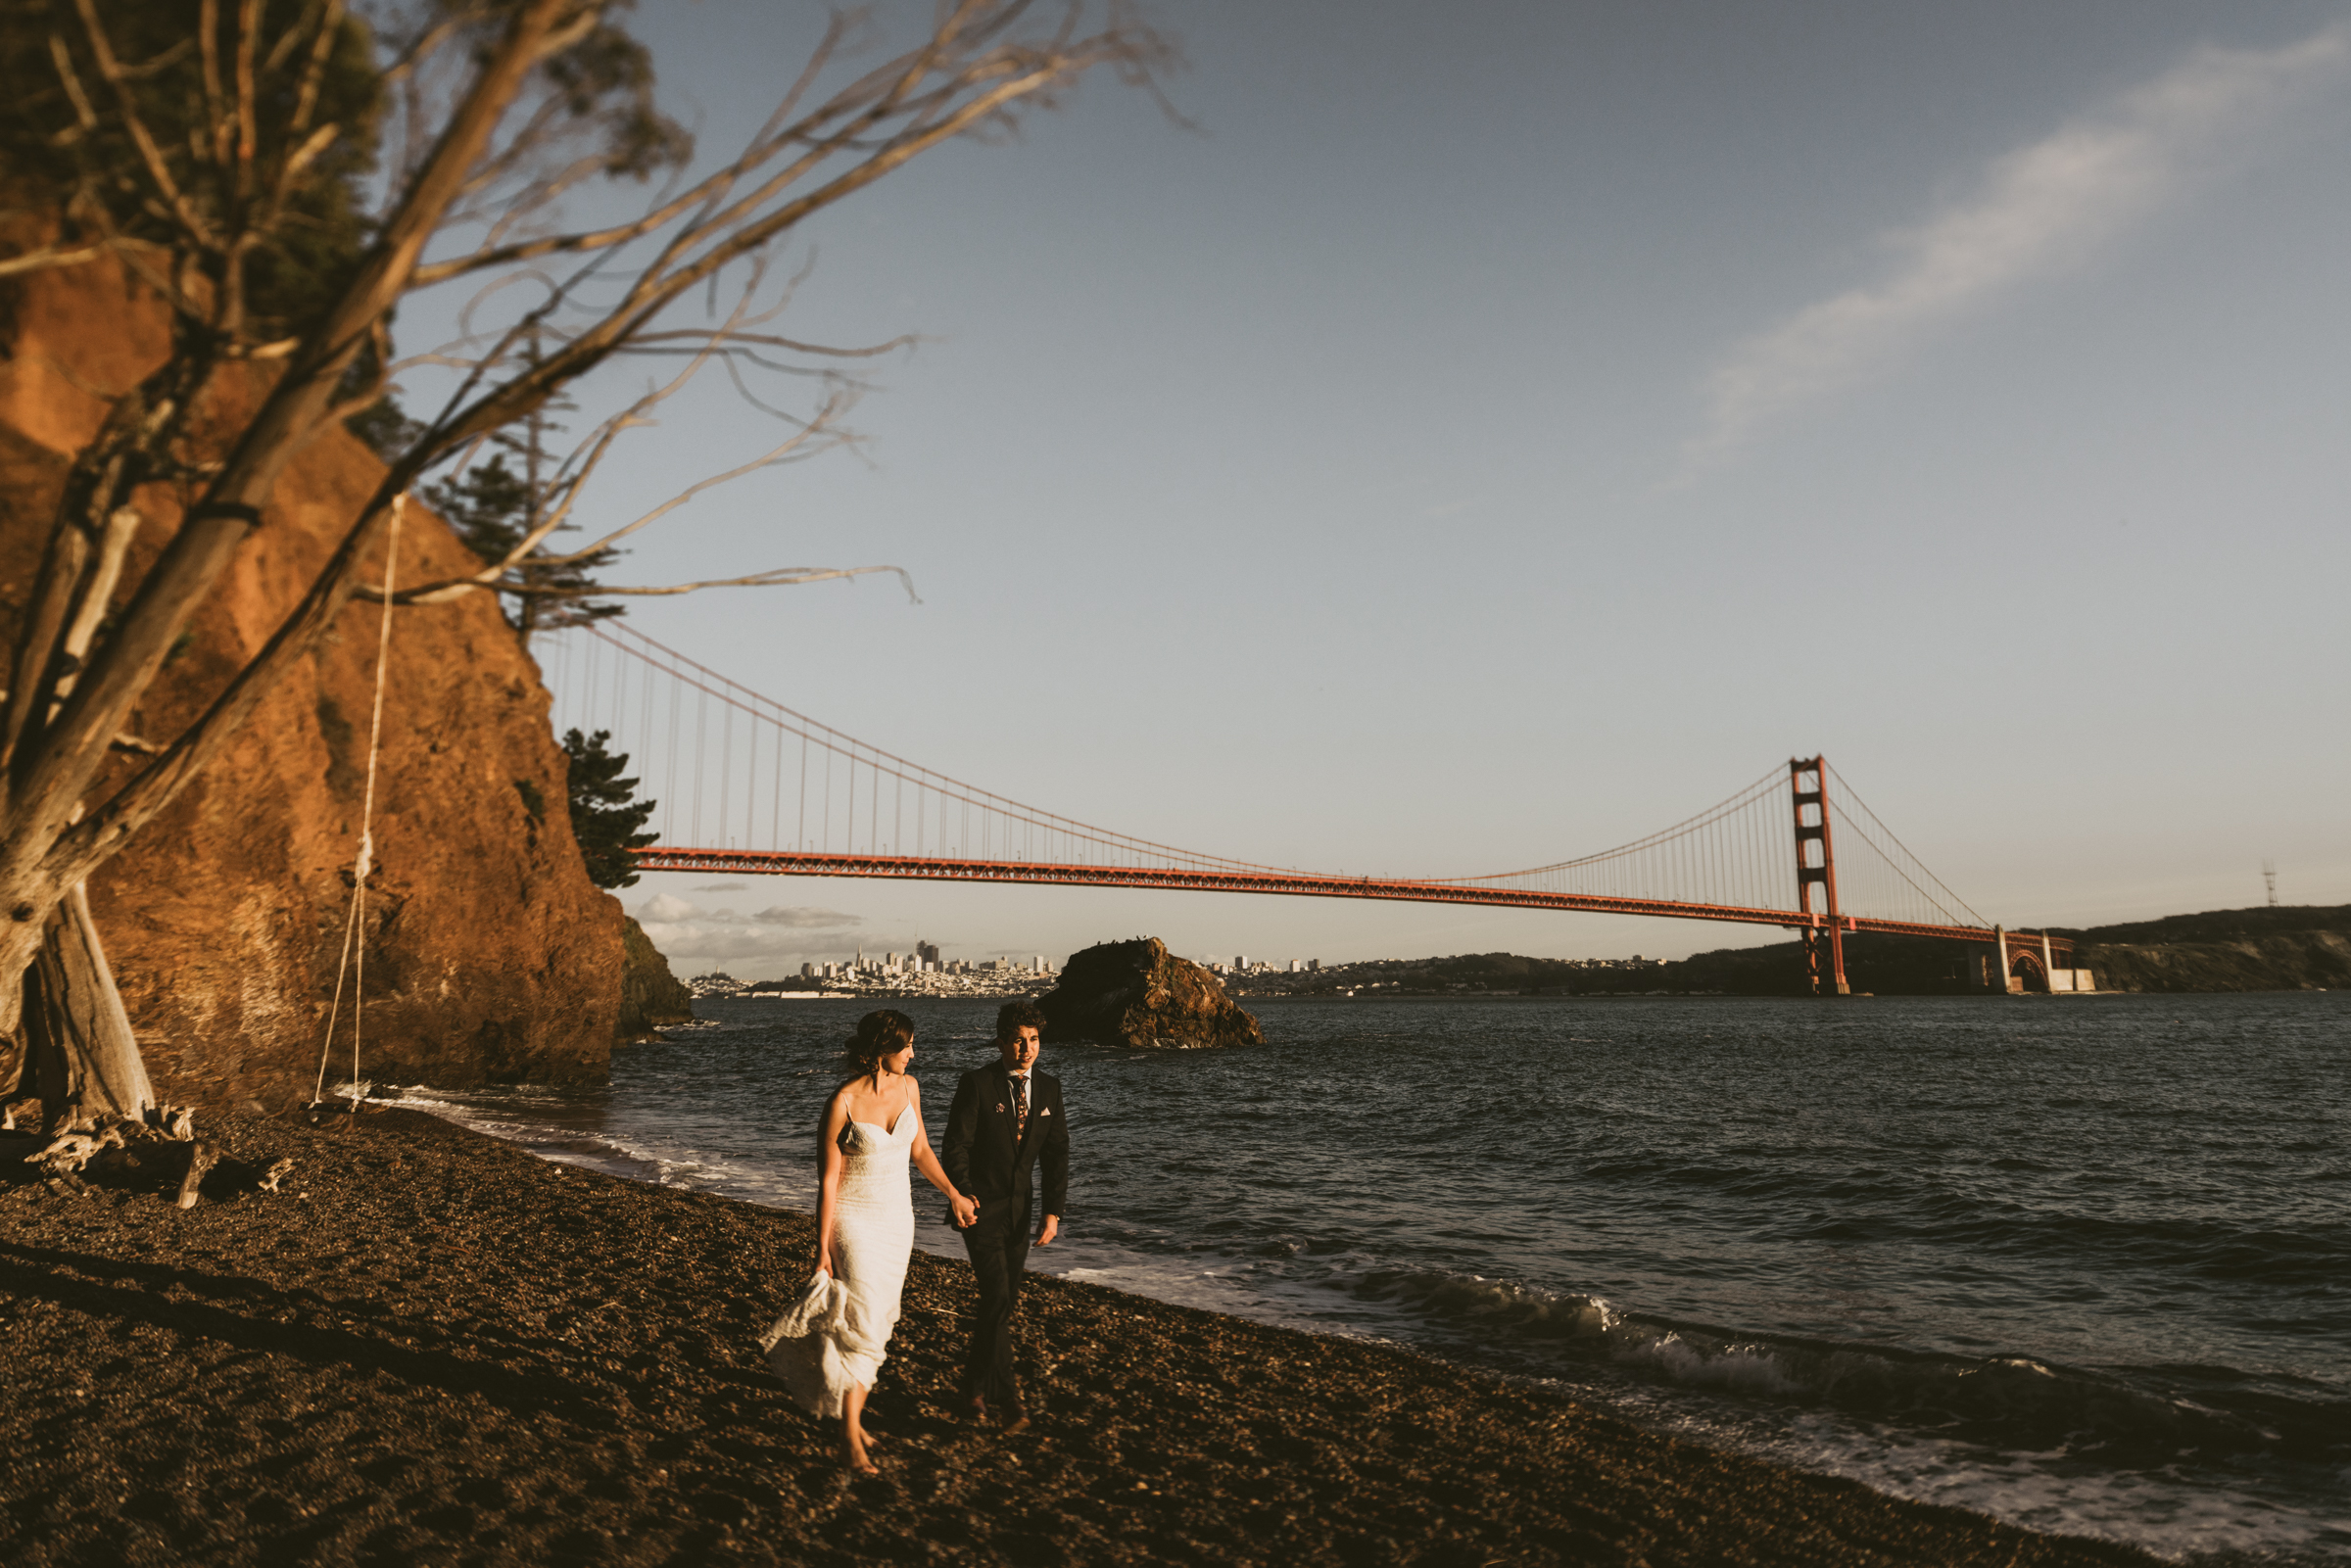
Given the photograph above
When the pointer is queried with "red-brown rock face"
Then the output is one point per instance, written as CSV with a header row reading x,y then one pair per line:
x,y
490,955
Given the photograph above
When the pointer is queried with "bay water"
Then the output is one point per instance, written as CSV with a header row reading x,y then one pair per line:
x,y
2080,1262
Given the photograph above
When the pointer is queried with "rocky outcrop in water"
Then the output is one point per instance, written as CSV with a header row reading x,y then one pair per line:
x,y
1137,993
491,956
651,996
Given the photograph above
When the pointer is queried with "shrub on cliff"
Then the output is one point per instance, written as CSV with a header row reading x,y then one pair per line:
x,y
606,812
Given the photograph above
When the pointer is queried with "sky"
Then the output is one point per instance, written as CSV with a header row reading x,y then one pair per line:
x,y
1485,432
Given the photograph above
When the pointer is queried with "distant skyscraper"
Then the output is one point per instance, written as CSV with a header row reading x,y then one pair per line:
x,y
928,952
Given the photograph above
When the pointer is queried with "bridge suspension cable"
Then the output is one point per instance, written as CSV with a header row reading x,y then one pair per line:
x,y
745,783
785,782
1888,878
1733,853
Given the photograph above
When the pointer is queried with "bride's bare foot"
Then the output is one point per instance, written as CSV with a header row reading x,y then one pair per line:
x,y
853,1434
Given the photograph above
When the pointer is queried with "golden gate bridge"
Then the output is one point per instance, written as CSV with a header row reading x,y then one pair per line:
x,y
749,786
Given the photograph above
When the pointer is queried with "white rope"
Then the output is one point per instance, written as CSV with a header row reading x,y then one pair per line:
x,y
354,961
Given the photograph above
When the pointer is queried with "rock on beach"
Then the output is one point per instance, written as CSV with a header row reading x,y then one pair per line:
x,y
1136,993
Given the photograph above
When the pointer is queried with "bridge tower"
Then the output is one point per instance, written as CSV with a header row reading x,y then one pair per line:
x,y
1823,928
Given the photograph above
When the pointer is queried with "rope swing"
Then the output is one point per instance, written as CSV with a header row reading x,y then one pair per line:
x,y
354,962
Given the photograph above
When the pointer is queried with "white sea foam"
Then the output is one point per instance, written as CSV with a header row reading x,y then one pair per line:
x,y
2039,1491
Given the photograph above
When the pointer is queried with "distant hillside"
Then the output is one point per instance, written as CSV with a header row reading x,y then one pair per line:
x,y
1884,966
2223,925
2297,947
2305,947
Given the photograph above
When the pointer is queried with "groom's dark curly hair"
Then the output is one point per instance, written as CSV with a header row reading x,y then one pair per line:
x,y
1013,1017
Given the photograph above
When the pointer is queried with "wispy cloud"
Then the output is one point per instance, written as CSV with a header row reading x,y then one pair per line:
x,y
807,920
2036,212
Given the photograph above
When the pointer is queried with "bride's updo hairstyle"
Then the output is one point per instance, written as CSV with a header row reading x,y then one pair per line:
x,y
885,1031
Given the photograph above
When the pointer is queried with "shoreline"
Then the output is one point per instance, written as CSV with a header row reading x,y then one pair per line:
x,y
436,1344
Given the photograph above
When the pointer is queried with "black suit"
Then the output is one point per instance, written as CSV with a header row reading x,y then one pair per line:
x,y
985,1161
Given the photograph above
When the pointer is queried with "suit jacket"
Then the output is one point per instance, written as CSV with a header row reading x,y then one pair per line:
x,y
981,1155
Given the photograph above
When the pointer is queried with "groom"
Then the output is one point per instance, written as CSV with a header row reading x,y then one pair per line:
x,y
1007,1121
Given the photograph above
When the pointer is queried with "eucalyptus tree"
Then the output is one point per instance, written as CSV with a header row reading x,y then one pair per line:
x,y
281,174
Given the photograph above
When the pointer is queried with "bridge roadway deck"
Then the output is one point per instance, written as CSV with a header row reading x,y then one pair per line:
x,y
792,863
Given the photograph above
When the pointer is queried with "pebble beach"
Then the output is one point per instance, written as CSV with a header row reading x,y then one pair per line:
x,y
435,1348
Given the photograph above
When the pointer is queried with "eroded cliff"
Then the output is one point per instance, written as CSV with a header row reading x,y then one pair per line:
x,y
491,956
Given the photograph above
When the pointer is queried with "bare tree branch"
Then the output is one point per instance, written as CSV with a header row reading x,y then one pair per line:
x,y
135,124
74,745
52,255
192,166
780,577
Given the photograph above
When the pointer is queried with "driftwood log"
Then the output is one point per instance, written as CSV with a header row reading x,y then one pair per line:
x,y
158,1151
202,1156
69,1152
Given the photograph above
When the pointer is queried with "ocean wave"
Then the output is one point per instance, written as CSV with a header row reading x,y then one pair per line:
x,y
425,1097
1496,1306
2134,1417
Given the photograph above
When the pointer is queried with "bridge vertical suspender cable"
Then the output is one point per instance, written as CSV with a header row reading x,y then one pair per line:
x,y
1730,861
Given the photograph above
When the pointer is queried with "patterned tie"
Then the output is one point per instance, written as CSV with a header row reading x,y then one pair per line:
x,y
1020,1105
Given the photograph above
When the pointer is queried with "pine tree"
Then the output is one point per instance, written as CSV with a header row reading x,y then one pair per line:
x,y
493,508
606,812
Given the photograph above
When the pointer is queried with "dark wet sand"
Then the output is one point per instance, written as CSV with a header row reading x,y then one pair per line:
x,y
437,1348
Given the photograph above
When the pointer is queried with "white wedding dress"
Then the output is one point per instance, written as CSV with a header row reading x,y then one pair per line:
x,y
834,1336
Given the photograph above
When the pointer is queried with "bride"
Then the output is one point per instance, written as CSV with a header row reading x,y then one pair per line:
x,y
828,1347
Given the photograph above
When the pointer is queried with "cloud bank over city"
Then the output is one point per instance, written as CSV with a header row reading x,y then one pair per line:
x,y
781,933
2035,212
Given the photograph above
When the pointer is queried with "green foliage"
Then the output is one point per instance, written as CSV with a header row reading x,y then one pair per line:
x,y
606,814
384,426
69,152
88,173
493,508
606,85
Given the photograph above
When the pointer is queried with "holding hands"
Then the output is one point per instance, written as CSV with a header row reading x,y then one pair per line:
x,y
966,1209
